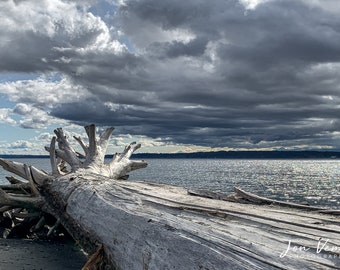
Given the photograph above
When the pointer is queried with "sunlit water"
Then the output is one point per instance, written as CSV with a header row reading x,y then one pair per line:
x,y
316,182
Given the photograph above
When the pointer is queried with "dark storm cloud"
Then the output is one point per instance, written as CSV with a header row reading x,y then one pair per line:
x,y
256,90
194,48
204,72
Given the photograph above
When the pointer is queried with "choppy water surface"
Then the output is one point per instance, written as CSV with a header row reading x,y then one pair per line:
x,y
316,182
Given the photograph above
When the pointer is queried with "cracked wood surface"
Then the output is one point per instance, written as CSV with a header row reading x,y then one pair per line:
x,y
165,228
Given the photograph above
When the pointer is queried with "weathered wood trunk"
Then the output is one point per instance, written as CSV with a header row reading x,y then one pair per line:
x,y
153,226
148,226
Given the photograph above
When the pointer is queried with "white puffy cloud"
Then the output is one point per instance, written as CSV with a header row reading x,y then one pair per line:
x,y
36,37
36,97
33,117
5,116
252,4
44,92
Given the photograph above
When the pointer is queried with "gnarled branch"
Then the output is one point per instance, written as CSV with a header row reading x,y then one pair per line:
x,y
24,200
94,155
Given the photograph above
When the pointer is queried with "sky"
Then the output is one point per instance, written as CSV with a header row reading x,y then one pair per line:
x,y
174,75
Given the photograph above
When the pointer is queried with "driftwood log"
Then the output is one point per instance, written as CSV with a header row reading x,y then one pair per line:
x,y
136,225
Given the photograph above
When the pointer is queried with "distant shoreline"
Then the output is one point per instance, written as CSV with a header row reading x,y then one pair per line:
x,y
222,155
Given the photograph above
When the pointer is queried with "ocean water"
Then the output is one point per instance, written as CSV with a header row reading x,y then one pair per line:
x,y
316,182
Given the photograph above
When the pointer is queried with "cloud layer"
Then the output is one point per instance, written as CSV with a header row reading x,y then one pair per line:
x,y
227,73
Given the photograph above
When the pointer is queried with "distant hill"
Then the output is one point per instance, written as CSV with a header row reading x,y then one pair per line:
x,y
225,155
247,155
